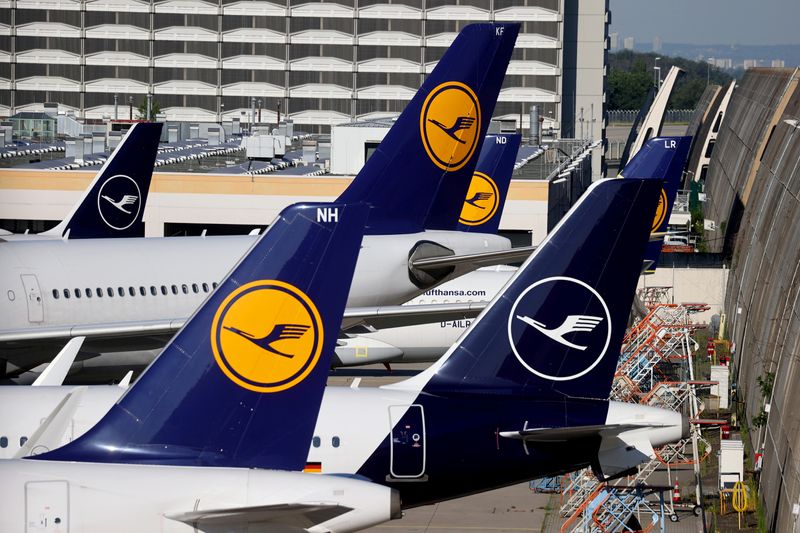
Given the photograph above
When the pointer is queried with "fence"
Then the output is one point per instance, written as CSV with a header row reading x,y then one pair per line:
x,y
627,116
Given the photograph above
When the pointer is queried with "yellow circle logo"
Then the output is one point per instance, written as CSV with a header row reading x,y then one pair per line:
x,y
449,125
661,211
267,336
481,202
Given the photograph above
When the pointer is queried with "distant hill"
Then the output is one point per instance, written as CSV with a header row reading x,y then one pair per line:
x,y
631,75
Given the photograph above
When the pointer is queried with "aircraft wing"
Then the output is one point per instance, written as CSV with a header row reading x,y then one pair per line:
x,y
26,348
281,517
368,319
483,259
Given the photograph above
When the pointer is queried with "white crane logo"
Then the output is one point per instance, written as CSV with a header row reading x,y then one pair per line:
x,y
128,199
582,334
119,214
571,324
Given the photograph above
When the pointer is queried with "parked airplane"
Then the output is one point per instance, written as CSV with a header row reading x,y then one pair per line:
x,y
113,204
236,418
427,342
520,403
415,183
486,196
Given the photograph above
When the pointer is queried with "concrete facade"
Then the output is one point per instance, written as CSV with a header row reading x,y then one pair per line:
x,y
323,62
753,181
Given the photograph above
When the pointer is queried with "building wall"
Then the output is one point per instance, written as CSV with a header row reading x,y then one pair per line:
x,y
756,166
225,199
323,62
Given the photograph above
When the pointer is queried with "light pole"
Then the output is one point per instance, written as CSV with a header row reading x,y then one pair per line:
x,y
657,73
259,110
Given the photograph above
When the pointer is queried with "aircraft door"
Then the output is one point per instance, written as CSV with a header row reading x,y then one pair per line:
x,y
46,507
407,449
34,297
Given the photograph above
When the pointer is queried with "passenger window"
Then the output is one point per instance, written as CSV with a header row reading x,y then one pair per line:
x,y
110,292
205,287
174,289
164,290
66,293
99,292
214,285
195,288
153,290
22,441
316,441
55,294
185,288
335,442
88,293
142,291
131,291
121,291
77,293
3,442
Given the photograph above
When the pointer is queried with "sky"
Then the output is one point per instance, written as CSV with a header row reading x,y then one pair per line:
x,y
708,21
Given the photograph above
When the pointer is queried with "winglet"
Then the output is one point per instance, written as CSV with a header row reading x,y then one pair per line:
x,y
113,204
579,284
486,196
418,176
56,371
214,398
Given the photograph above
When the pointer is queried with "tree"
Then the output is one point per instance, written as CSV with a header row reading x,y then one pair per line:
x,y
154,110
628,90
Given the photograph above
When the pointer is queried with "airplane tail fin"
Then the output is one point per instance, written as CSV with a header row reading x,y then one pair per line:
x,y
418,176
486,196
241,383
673,177
113,204
556,328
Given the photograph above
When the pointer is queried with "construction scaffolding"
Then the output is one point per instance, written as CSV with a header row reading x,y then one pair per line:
x,y
655,368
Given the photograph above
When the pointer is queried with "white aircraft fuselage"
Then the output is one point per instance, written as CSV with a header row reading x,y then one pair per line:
x,y
65,496
52,287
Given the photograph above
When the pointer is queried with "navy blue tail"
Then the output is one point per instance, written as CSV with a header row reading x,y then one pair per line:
x,y
113,205
419,175
486,196
241,383
556,328
641,165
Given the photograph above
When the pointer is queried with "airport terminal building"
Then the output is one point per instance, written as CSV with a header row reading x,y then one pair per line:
x,y
319,63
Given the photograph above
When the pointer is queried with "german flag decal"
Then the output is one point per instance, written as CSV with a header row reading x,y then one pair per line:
x,y
314,468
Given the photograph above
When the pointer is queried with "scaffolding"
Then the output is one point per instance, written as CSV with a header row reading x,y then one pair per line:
x,y
655,369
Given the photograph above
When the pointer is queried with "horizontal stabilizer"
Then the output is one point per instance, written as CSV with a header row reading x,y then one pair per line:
x,y
50,433
368,319
479,260
291,516
356,320
564,434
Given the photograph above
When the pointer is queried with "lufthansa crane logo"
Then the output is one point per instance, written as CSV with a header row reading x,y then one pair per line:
x,y
267,336
119,201
449,125
481,202
559,328
661,211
